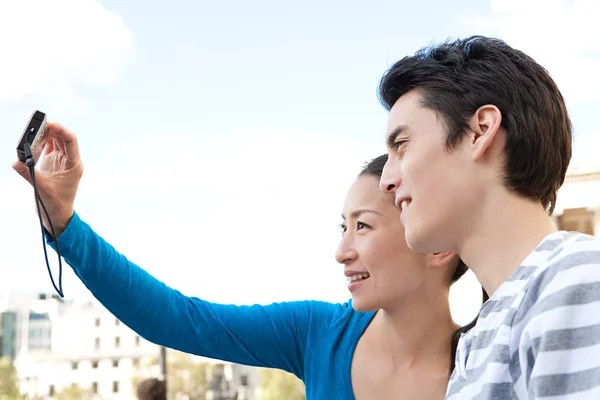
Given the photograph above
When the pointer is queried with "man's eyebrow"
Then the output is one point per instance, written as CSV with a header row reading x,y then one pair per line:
x,y
391,137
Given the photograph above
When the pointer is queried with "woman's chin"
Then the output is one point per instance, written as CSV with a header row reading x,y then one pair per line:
x,y
363,305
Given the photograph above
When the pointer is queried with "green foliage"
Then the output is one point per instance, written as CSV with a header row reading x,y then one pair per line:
x,y
74,392
8,380
186,378
277,384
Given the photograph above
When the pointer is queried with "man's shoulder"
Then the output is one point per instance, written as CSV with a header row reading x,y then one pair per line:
x,y
555,331
568,276
572,254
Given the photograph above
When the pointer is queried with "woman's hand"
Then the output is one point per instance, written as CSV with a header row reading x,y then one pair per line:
x,y
57,176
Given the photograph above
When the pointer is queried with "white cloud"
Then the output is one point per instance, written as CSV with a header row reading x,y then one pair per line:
x,y
562,35
54,46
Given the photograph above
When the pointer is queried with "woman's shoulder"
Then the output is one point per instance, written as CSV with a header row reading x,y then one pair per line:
x,y
334,316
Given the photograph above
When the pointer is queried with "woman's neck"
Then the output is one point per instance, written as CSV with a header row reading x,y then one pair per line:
x,y
417,329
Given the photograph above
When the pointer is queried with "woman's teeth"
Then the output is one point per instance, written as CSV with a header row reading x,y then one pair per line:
x,y
358,277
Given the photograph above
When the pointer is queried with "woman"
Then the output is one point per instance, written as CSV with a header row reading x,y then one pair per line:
x,y
391,341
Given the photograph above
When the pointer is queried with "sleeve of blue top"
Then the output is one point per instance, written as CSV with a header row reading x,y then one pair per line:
x,y
270,336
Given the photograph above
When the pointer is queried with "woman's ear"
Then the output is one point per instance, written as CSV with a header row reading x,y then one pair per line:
x,y
441,259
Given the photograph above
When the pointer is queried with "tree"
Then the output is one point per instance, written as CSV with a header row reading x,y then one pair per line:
x,y
186,378
277,384
73,392
8,380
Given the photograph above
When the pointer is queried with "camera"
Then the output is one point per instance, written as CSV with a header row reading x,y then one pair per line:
x,y
35,134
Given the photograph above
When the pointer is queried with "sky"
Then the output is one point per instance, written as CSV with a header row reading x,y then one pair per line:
x,y
219,138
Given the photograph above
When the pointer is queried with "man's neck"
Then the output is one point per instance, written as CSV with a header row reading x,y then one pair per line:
x,y
506,232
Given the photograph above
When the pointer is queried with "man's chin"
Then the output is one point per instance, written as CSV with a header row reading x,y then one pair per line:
x,y
417,240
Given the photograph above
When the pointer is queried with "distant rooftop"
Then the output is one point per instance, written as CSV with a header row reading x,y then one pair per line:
x,y
583,174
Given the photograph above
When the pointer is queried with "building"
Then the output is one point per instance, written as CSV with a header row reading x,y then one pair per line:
x,y
83,349
578,202
8,334
14,316
78,347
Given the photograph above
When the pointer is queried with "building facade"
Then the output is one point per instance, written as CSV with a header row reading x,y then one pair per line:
x,y
14,322
578,202
82,349
8,334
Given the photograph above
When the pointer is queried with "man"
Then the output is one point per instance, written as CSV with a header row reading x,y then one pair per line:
x,y
479,141
152,389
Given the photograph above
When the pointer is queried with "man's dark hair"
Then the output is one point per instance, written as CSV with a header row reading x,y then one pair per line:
x,y
152,389
456,78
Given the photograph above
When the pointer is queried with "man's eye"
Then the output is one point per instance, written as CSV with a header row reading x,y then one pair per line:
x,y
399,144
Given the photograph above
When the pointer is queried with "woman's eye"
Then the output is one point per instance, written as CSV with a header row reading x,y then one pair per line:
x,y
360,225
342,228
399,144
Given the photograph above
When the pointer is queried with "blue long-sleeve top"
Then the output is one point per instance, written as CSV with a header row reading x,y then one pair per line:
x,y
313,340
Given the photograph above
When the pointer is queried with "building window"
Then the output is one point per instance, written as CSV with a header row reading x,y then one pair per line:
x,y
115,387
95,364
135,362
51,390
577,219
97,321
95,387
74,365
115,363
244,380
117,341
97,344
117,322
137,340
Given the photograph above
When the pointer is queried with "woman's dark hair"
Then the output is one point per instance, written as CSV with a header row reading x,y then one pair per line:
x,y
375,168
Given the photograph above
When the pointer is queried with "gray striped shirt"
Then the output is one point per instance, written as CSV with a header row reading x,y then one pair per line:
x,y
538,336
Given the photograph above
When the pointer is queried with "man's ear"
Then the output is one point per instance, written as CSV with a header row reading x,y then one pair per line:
x,y
484,124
